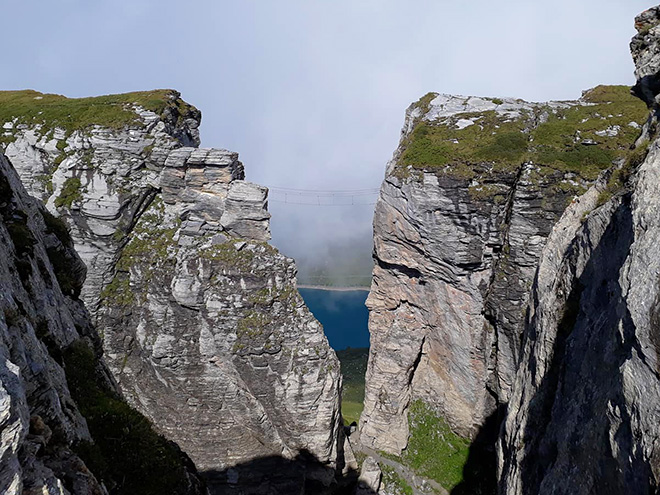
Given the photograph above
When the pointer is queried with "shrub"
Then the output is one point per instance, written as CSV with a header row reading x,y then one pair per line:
x,y
70,193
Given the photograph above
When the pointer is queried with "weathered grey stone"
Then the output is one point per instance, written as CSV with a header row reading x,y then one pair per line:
x,y
118,171
645,49
585,408
245,213
456,247
40,318
370,477
205,334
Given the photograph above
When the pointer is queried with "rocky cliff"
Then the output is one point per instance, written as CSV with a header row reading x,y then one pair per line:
x,y
516,289
202,325
583,415
466,207
63,427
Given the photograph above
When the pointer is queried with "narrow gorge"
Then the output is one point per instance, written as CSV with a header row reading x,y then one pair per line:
x,y
152,341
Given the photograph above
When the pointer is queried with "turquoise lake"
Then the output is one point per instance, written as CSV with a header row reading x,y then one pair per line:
x,y
343,315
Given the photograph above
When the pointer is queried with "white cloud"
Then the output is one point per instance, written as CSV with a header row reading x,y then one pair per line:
x,y
312,93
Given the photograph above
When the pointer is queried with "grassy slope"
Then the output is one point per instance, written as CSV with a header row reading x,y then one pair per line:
x,y
113,111
353,368
507,144
433,449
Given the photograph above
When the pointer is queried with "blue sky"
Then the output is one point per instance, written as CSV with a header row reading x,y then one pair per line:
x,y
312,93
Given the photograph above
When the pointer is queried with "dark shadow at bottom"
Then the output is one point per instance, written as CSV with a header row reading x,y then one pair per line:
x,y
275,475
480,470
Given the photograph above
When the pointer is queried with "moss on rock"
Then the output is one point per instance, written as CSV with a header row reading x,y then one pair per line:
x,y
229,255
583,138
118,292
71,193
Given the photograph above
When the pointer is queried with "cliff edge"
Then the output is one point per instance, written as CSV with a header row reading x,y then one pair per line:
x,y
513,309
202,325
467,205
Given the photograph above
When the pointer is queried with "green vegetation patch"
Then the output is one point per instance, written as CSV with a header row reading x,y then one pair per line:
x,y
151,239
71,192
394,483
288,296
254,331
127,454
253,324
424,103
491,138
151,246
434,451
620,177
118,293
72,114
495,192
229,255
147,247
353,369
567,140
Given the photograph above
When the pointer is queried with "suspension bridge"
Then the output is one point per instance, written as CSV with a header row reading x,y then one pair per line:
x,y
323,197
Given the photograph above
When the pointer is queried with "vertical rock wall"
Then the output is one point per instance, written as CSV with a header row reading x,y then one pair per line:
x,y
466,207
48,431
202,325
583,416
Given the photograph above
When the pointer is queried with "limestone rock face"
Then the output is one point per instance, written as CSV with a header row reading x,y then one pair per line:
x,y
202,324
209,336
98,177
42,430
465,209
584,411
645,49
370,477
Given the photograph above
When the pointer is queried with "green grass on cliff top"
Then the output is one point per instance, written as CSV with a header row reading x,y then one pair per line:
x,y
507,144
113,111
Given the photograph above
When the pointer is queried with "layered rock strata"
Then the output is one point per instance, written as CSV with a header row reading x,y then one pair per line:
x,y
52,438
583,415
467,205
202,325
